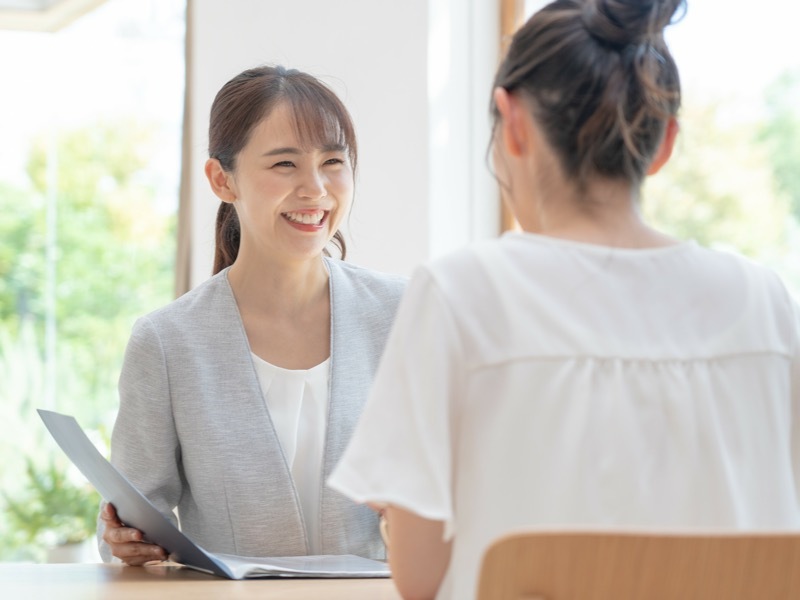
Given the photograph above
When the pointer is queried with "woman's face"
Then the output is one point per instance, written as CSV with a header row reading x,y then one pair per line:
x,y
290,200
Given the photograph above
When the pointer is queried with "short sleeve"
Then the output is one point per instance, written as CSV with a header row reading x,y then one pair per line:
x,y
401,450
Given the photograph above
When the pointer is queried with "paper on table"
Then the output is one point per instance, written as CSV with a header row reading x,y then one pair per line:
x,y
137,511
345,565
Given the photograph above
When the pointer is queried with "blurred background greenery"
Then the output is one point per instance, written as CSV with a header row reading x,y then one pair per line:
x,y
734,183
114,256
89,171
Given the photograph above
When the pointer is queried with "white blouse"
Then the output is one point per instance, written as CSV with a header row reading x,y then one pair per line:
x,y
298,406
533,382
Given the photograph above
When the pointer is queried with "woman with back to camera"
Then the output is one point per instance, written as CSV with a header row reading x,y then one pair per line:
x,y
237,399
589,371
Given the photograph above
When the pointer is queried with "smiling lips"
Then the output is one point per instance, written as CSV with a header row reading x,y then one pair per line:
x,y
306,220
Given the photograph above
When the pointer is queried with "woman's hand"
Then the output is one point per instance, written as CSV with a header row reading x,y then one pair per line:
x,y
380,508
126,542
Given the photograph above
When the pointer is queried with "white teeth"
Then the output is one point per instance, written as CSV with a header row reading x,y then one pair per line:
x,y
306,218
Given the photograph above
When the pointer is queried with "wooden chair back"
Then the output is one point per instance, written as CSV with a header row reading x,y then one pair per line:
x,y
641,566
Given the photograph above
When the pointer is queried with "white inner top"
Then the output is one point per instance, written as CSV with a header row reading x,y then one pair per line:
x,y
298,406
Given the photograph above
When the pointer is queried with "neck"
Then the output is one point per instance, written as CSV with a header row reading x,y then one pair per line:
x,y
279,288
605,213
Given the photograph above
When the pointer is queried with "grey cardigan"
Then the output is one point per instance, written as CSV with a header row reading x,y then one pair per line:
x,y
193,430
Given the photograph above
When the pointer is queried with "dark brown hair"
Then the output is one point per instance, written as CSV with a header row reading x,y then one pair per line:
x,y
601,82
320,119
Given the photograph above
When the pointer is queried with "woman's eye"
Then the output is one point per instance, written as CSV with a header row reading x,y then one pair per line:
x,y
334,161
284,163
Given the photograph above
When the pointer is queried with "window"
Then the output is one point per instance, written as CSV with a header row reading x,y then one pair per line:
x,y
733,182
89,173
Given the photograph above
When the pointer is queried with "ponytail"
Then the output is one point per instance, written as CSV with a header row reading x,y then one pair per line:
x,y
227,236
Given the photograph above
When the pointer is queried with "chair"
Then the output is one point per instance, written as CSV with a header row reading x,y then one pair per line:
x,y
641,566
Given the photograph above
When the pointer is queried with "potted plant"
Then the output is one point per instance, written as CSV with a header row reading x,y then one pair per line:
x,y
53,512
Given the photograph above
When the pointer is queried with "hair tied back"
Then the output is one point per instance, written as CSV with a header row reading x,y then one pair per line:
x,y
620,23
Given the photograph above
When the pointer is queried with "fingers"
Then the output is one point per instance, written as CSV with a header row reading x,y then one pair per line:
x,y
138,553
121,535
109,516
126,542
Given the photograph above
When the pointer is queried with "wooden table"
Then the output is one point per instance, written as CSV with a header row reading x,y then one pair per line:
x,y
82,581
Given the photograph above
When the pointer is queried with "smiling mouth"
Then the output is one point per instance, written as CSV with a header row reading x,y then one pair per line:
x,y
308,217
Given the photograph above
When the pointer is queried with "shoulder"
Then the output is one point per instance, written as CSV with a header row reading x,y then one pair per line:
x,y
463,271
363,282
775,313
203,298
207,309
761,285
740,270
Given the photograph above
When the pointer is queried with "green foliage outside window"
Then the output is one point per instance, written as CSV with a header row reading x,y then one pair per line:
x,y
112,261
781,135
52,509
735,184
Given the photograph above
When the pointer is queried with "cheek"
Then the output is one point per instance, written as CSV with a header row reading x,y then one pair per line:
x,y
261,186
343,184
344,197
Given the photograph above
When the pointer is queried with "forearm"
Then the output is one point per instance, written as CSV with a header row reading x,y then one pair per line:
x,y
418,556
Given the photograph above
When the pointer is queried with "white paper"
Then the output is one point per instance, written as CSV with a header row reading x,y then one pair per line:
x,y
327,566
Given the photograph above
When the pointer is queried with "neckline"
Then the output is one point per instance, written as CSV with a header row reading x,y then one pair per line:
x,y
312,370
680,246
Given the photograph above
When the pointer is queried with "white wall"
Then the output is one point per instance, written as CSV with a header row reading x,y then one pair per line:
x,y
415,75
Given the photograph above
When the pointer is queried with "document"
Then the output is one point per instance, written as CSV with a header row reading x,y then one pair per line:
x,y
137,511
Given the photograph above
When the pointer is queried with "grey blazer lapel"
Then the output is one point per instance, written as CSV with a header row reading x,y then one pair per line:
x,y
247,417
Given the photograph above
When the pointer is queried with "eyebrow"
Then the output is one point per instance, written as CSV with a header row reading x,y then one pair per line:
x,y
335,147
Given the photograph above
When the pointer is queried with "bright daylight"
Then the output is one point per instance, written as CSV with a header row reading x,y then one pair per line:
x,y
352,342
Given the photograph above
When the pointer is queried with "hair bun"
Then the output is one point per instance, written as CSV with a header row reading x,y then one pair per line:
x,y
618,23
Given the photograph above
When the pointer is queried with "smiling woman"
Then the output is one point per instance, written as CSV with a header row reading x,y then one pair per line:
x,y
281,179
238,398
308,116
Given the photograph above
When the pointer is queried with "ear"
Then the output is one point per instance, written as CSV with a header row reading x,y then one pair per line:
x,y
513,136
665,149
221,181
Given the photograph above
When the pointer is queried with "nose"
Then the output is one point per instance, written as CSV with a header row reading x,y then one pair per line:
x,y
313,186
